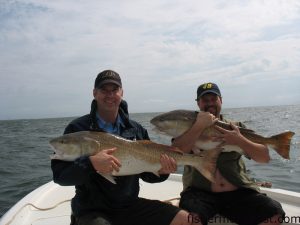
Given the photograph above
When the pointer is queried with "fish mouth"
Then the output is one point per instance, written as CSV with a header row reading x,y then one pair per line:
x,y
159,127
158,130
155,129
52,143
154,121
54,148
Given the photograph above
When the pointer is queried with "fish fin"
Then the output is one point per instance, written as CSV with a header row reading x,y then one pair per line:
x,y
208,165
54,156
174,149
245,130
197,151
57,156
108,177
156,174
227,126
145,142
62,157
283,142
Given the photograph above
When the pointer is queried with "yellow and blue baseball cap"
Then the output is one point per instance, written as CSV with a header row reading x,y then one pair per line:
x,y
208,88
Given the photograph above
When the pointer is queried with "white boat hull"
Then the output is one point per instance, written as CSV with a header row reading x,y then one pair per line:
x,y
50,203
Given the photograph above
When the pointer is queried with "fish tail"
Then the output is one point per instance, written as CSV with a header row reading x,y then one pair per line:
x,y
282,144
207,166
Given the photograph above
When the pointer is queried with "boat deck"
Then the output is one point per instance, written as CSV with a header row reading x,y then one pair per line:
x,y
50,203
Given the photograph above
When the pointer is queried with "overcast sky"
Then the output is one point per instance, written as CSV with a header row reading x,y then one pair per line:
x,y
51,52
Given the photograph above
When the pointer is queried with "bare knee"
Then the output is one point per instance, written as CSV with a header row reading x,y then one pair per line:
x,y
184,218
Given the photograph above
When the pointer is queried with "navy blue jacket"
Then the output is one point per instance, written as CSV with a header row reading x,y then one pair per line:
x,y
93,192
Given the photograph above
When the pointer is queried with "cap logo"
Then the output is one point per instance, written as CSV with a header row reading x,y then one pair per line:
x,y
109,74
207,86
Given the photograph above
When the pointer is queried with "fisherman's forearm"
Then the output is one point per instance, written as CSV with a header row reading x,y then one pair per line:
x,y
255,151
186,141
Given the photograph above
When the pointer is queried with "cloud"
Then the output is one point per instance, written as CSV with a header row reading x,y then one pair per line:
x,y
50,52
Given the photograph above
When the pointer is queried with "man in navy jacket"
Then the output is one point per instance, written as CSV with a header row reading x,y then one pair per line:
x,y
97,201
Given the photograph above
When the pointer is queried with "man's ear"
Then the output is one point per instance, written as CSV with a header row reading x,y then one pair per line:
x,y
94,92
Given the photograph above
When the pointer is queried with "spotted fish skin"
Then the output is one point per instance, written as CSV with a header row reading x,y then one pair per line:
x,y
175,123
135,156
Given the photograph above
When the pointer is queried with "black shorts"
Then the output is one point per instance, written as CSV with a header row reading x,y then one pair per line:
x,y
243,206
143,212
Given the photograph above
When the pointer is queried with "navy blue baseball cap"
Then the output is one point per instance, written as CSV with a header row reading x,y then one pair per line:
x,y
108,76
208,88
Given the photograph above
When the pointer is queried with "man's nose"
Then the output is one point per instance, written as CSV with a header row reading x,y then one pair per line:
x,y
210,102
109,92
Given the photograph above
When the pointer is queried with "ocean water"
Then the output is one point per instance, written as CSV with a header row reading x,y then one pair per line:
x,y
25,162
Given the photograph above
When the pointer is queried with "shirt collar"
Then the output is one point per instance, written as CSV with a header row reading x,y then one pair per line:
x,y
103,124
